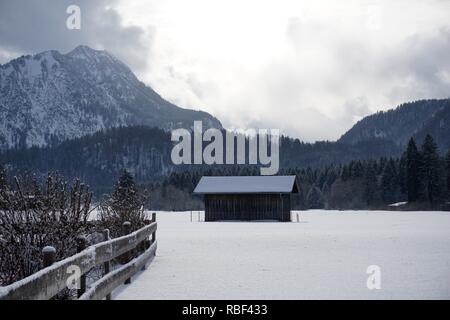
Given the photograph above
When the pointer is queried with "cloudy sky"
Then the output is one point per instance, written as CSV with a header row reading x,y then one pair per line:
x,y
311,68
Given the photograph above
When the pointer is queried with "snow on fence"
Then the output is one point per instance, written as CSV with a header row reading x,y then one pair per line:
x,y
54,278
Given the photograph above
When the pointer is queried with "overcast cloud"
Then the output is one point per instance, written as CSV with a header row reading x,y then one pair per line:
x,y
28,27
310,68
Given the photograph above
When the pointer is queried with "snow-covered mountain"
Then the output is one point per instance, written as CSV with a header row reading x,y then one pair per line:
x,y
51,96
412,119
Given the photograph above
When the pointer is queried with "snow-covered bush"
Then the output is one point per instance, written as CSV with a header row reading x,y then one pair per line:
x,y
34,215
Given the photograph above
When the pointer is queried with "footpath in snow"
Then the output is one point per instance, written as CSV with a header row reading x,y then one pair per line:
x,y
325,256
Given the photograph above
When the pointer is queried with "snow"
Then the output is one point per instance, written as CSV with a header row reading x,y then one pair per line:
x,y
137,262
49,249
33,68
398,204
324,256
245,184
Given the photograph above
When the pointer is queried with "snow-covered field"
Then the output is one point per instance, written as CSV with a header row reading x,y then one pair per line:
x,y
325,256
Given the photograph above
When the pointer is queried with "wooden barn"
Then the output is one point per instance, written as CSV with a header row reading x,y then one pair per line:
x,y
247,197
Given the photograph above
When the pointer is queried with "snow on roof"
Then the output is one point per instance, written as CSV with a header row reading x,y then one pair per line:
x,y
246,184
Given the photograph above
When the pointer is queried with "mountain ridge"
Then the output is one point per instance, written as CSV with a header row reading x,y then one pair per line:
x,y
49,97
411,119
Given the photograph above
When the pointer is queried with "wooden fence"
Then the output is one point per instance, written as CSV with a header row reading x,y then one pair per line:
x,y
55,277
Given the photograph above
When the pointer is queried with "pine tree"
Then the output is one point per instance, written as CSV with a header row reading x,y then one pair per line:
x,y
389,183
331,177
345,173
412,171
325,190
315,198
3,180
370,185
357,170
301,199
125,192
447,166
430,170
402,176
124,204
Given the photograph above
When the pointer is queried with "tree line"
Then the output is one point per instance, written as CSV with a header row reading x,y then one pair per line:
x,y
418,179
419,176
99,158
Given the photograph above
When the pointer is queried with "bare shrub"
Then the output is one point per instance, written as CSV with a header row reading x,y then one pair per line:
x,y
34,215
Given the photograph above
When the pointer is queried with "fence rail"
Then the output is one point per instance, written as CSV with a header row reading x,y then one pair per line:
x,y
54,278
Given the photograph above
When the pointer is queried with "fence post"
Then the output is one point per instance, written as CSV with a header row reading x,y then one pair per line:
x,y
298,218
107,264
126,227
81,245
154,232
49,256
146,243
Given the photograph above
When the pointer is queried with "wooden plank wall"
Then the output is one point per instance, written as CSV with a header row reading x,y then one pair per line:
x,y
247,207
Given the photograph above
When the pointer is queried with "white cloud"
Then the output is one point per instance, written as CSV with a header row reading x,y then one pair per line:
x,y
312,68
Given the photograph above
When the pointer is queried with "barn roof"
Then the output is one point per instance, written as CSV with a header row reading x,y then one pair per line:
x,y
246,184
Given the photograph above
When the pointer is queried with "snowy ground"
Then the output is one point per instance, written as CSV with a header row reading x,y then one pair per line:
x,y
325,256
